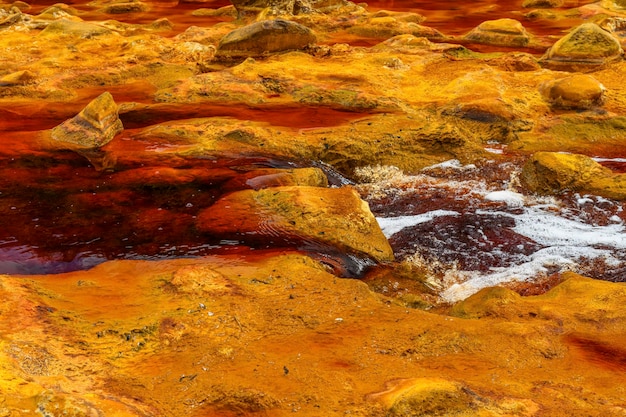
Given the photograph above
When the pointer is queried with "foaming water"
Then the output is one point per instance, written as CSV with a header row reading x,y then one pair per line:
x,y
474,228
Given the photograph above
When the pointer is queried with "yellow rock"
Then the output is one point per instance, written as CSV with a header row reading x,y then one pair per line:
x,y
95,126
17,78
574,92
587,47
331,216
268,36
552,172
505,32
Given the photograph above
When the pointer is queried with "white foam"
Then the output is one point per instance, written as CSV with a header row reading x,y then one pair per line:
x,y
392,225
537,264
548,229
566,241
450,164
619,160
512,199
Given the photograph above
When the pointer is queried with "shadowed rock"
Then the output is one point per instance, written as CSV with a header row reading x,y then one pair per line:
x,y
586,48
265,37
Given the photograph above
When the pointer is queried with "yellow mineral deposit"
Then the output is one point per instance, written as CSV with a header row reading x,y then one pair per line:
x,y
183,231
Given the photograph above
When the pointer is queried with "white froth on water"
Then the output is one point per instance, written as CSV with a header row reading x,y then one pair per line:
x,y
567,242
548,229
392,225
538,264
512,199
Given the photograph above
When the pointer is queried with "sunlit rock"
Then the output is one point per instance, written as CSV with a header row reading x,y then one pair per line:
x,y
586,48
575,92
332,216
550,172
553,172
264,37
57,11
503,32
95,126
619,5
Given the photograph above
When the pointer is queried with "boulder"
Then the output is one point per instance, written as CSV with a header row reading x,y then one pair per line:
x,y
95,126
586,48
553,172
298,214
575,92
265,37
500,32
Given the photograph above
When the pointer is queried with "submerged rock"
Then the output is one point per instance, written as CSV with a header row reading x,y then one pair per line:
x,y
586,48
501,32
95,126
265,37
575,92
328,216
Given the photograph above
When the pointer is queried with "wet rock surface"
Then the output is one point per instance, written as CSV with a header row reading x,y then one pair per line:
x,y
265,37
185,189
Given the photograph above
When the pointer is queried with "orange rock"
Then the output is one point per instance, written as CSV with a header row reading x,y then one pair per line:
x,y
331,216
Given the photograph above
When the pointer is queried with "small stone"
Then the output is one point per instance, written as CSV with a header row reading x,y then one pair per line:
x,y
95,126
586,48
501,32
265,37
575,92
